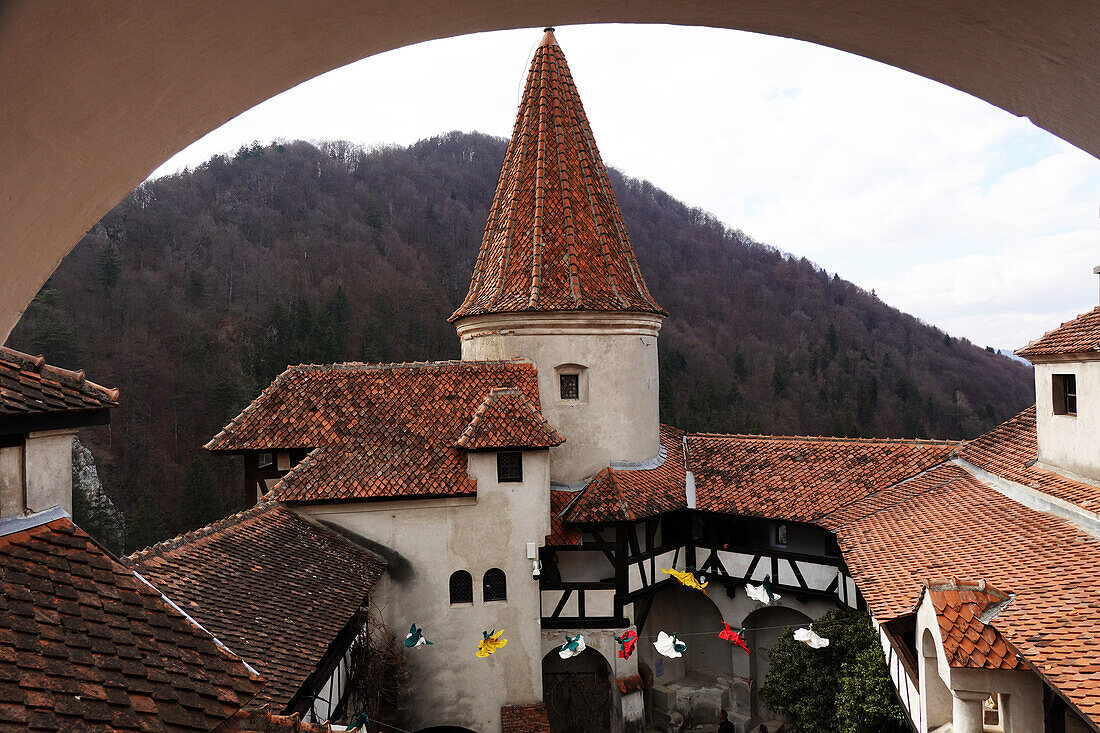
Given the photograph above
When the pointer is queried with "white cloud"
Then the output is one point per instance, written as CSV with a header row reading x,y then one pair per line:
x,y
950,208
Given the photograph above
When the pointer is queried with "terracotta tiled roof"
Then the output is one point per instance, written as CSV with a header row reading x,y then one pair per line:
x,y
507,419
28,385
377,431
945,522
968,641
555,238
619,494
1079,336
1010,449
560,532
264,721
85,644
800,478
525,719
274,587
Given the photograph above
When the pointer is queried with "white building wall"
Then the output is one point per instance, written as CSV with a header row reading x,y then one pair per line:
x,y
449,685
37,474
1068,442
616,417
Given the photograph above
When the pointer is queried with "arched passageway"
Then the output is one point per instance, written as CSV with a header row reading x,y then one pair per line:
x,y
763,627
701,682
578,692
96,95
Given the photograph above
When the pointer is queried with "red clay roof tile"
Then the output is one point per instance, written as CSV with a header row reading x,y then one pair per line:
x,y
560,532
946,522
968,641
1078,336
28,386
555,238
264,721
1010,449
94,647
507,419
376,430
274,587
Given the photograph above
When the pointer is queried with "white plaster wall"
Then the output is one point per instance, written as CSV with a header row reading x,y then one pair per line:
x,y
48,464
11,481
617,418
1066,441
449,685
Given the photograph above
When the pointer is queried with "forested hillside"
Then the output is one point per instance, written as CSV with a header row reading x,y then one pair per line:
x,y
194,292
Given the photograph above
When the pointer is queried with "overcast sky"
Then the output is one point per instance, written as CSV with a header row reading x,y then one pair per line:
x,y
951,209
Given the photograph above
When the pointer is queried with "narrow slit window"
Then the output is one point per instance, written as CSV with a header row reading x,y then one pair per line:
x,y
509,467
462,587
1065,394
570,386
781,534
494,586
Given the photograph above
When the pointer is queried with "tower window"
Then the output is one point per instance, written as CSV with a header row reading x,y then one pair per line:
x,y
570,386
462,587
1065,394
509,467
494,586
781,534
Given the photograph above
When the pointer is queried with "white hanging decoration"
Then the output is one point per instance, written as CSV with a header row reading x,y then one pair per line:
x,y
669,645
573,646
810,638
762,593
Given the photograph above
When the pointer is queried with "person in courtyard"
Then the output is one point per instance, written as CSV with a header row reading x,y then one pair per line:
x,y
724,724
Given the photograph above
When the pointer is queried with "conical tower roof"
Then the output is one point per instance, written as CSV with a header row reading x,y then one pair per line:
x,y
555,238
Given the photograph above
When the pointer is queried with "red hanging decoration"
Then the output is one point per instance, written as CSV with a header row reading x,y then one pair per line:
x,y
730,635
627,642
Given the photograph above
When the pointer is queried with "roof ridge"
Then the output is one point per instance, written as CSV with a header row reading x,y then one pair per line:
x,y
387,366
179,540
69,377
830,439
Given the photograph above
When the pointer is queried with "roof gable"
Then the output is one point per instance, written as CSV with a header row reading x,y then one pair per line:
x,y
963,611
555,238
507,419
1078,336
376,431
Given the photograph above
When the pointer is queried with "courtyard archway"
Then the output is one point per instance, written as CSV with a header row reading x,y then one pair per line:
x,y
97,95
578,692
763,627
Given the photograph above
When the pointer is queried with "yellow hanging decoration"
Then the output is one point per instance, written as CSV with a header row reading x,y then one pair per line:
x,y
490,643
687,578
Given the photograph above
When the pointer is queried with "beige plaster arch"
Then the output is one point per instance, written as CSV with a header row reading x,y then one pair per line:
x,y
94,96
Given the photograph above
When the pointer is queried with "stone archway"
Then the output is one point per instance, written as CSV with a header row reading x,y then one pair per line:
x,y
700,683
934,694
763,628
578,692
97,95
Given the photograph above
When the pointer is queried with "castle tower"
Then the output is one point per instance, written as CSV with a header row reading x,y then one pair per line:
x,y
556,282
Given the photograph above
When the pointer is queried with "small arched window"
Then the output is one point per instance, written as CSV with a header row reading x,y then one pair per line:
x,y
494,585
462,587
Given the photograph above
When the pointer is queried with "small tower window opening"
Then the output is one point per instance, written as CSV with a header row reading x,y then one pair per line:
x,y
462,587
570,386
494,586
509,467
781,534
1065,394
991,713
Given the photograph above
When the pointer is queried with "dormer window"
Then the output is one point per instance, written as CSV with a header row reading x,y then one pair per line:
x,y
1065,394
509,467
570,386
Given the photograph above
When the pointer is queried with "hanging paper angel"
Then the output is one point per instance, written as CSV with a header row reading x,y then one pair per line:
x,y
737,637
627,642
810,638
670,646
573,646
687,578
415,637
762,593
490,642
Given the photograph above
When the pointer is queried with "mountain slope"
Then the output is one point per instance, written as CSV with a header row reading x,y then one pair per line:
x,y
194,292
